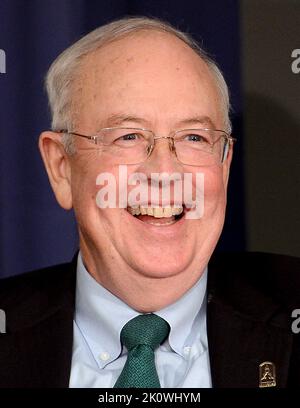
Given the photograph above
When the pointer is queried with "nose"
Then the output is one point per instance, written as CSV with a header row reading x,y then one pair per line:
x,y
163,156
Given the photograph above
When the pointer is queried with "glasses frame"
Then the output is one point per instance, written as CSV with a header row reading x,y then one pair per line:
x,y
228,139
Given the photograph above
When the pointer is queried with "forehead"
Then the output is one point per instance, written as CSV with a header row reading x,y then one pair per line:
x,y
146,74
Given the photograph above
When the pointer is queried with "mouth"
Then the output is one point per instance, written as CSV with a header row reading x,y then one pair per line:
x,y
158,216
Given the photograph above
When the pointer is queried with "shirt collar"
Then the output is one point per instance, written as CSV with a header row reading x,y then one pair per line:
x,y
100,316
186,316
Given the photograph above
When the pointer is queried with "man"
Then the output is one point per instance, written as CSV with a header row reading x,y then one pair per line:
x,y
144,303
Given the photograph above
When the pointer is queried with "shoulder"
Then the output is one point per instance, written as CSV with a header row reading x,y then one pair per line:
x,y
256,277
28,297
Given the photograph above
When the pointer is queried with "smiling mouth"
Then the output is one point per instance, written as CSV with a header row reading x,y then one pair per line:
x,y
158,216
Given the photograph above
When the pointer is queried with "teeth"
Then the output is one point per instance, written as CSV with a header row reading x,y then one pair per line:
x,y
158,224
157,212
143,210
167,212
177,211
150,211
134,210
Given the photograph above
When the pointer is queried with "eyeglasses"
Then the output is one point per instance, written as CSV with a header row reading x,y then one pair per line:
x,y
194,147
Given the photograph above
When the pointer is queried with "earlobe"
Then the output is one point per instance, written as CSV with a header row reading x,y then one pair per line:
x,y
57,166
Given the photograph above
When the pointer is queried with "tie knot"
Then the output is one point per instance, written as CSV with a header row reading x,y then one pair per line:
x,y
149,329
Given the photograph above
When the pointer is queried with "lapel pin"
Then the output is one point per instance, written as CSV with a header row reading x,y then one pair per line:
x,y
267,374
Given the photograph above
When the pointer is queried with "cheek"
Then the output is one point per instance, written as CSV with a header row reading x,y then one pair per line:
x,y
214,189
84,176
83,190
94,176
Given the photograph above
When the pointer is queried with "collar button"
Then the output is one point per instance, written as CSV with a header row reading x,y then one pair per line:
x,y
187,350
104,356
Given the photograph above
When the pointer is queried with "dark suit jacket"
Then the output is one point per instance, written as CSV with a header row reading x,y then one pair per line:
x,y
250,299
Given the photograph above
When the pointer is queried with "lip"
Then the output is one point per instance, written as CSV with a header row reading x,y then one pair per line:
x,y
162,230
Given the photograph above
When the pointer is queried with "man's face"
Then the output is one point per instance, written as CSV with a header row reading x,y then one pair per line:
x,y
158,83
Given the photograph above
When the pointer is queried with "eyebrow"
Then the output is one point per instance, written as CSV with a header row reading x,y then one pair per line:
x,y
119,120
199,120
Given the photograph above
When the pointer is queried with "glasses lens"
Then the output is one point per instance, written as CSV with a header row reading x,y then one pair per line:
x,y
200,147
128,146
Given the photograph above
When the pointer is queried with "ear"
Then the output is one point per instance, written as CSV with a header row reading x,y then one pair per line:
x,y
57,164
226,167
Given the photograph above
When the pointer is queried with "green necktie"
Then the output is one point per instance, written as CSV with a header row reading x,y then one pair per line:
x,y
141,336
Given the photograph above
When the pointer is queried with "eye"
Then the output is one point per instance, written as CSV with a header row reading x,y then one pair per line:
x,y
194,137
130,136
128,140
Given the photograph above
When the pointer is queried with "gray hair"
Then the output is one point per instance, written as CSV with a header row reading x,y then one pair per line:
x,y
62,72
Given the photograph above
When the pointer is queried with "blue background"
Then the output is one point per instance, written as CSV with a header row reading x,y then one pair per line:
x,y
34,230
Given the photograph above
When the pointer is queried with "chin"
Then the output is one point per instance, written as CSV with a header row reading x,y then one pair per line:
x,y
161,263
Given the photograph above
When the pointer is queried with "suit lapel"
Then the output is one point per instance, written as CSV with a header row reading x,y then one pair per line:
x,y
36,351
238,345
245,328
39,356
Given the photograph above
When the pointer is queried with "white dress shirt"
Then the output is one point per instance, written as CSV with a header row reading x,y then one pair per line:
x,y
98,357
